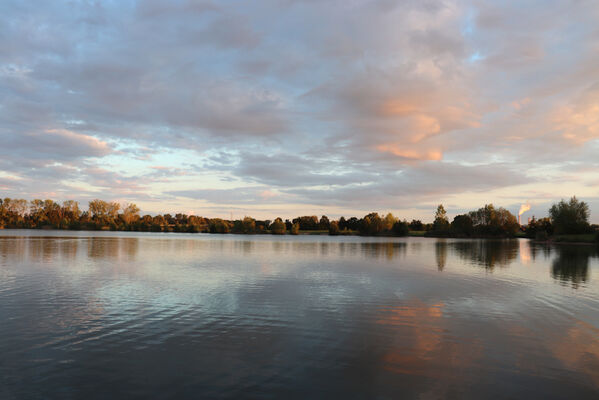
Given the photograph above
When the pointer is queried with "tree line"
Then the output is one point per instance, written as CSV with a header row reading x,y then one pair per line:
x,y
565,218
103,215
488,221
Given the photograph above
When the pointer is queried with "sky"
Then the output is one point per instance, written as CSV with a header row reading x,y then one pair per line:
x,y
287,107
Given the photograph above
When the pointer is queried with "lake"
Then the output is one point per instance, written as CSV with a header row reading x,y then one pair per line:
x,y
87,315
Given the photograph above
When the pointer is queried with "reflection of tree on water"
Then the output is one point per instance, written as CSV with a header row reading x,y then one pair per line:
x,y
12,249
539,248
102,248
572,264
488,253
388,250
441,254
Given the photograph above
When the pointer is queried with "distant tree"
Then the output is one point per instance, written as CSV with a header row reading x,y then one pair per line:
x,y
539,229
388,222
462,225
248,225
18,207
570,217
307,223
400,228
353,224
334,228
371,224
36,212
295,228
71,208
324,223
159,220
53,213
416,225
13,212
130,213
491,221
169,219
112,209
181,218
97,208
277,227
217,225
441,223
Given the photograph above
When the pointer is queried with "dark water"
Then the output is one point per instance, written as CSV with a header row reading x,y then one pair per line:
x,y
200,316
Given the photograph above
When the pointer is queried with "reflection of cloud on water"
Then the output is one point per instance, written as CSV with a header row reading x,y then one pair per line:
x,y
420,336
420,346
578,350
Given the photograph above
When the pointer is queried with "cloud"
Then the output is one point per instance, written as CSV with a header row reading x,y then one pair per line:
x,y
319,103
240,195
579,122
285,170
426,182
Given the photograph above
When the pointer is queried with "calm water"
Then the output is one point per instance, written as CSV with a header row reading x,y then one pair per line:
x,y
117,315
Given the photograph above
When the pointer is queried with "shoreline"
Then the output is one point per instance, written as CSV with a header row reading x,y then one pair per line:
x,y
419,234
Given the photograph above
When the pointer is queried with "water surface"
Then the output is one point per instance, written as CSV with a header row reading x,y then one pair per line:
x,y
140,315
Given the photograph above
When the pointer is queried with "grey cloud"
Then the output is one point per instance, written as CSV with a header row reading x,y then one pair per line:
x,y
160,9
296,96
54,144
239,195
429,182
289,170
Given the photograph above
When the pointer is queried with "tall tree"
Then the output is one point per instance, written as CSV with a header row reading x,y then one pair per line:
x,y
130,213
441,222
570,217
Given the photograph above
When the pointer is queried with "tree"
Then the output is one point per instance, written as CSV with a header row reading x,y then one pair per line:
x,y
441,222
130,213
539,229
400,228
462,225
371,224
295,228
334,228
416,225
307,223
53,212
491,221
71,208
17,206
98,208
352,224
389,221
570,217
13,212
277,227
248,225
217,225
112,209
36,212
